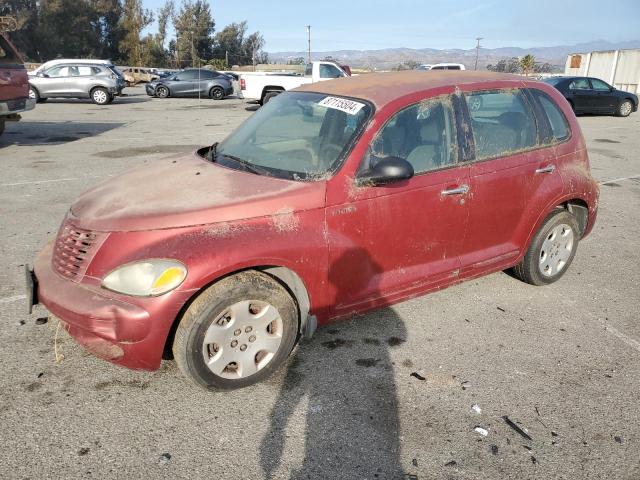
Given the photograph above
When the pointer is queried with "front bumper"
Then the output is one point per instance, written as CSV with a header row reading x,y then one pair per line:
x,y
150,89
131,334
10,107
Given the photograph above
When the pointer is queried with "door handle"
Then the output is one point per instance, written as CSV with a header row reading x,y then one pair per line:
x,y
547,169
461,190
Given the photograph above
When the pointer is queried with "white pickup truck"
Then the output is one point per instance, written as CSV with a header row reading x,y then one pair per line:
x,y
264,86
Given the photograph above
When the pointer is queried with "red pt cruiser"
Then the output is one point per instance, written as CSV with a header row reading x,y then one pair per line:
x,y
335,198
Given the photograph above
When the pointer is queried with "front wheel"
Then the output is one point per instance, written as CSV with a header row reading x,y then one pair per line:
x,y
162,92
100,96
551,251
624,109
216,93
237,332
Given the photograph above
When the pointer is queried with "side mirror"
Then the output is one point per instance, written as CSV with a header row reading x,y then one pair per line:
x,y
43,75
386,171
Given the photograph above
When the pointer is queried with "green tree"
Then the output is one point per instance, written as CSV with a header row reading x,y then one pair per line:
x,y
134,19
194,27
228,44
527,64
252,47
296,61
25,13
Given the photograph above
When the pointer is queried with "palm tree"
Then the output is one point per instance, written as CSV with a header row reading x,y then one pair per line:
x,y
527,63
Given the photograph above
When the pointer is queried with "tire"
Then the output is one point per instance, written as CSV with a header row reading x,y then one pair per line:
x,y
35,95
162,91
111,99
268,96
624,109
100,96
216,93
2,123
222,326
551,251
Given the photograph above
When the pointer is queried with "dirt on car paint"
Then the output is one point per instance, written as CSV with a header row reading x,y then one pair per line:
x,y
285,220
138,151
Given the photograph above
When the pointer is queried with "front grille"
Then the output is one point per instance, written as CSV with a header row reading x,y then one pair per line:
x,y
73,250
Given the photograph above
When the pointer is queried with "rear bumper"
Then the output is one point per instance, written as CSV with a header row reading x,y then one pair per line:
x,y
129,334
18,105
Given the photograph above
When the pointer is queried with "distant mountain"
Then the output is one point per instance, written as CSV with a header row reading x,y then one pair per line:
x,y
391,57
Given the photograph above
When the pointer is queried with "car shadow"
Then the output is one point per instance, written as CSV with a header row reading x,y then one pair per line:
x,y
26,133
347,379
124,99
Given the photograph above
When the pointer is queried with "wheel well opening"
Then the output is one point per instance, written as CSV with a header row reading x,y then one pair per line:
x,y
580,210
285,277
271,88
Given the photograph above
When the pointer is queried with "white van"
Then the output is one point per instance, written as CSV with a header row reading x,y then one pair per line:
x,y
447,66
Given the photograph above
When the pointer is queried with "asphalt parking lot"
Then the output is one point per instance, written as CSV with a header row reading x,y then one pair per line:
x,y
385,395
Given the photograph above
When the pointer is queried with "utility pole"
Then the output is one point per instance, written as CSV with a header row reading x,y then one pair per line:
x,y
477,51
309,37
226,58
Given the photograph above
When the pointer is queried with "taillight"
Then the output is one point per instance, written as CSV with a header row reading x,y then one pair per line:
x,y
243,84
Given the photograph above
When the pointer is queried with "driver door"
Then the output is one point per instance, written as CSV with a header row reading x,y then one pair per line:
x,y
389,242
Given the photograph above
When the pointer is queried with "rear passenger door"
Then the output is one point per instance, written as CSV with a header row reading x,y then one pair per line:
x,y
581,94
505,134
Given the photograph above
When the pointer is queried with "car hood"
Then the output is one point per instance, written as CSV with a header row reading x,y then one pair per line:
x,y
186,190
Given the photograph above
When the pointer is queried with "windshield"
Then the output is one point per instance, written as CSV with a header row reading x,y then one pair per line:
x,y
296,135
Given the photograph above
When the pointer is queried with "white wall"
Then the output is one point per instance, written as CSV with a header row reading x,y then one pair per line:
x,y
620,68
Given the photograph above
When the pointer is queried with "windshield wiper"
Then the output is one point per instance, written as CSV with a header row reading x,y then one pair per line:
x,y
248,167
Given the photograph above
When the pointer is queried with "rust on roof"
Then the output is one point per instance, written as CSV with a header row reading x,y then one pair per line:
x,y
382,88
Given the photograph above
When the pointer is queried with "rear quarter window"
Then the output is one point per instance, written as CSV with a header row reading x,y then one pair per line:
x,y
557,121
502,122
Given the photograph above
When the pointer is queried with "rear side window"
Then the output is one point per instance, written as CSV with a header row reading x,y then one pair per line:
x,y
580,84
557,120
329,71
502,121
7,54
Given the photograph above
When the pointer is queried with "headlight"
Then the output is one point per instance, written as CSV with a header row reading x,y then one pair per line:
x,y
146,278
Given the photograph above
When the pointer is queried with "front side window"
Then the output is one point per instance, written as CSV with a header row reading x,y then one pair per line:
x,y
297,135
188,75
502,122
599,85
580,84
61,71
330,71
423,134
557,120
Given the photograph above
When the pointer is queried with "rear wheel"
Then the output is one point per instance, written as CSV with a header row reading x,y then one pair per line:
x,y
35,95
551,251
237,332
216,93
268,96
162,91
624,109
100,96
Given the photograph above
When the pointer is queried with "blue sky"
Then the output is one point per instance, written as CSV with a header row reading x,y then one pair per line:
x,y
376,24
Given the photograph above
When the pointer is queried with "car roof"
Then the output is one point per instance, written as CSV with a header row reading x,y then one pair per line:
x,y
382,88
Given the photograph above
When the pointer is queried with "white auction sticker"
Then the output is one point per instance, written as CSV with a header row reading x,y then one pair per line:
x,y
342,104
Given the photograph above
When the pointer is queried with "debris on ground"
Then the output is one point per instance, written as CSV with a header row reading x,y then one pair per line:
x,y
464,384
414,462
619,439
83,451
516,428
452,463
19,323
501,309
494,449
534,460
42,320
417,375
164,458
40,374
481,430
476,408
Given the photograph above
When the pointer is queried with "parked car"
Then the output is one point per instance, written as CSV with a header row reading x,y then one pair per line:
x,y
592,95
14,86
264,86
424,66
135,75
192,82
99,82
234,252
447,66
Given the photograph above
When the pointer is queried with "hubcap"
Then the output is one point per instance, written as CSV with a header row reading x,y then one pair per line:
x,y
556,250
162,92
243,339
32,94
99,96
626,108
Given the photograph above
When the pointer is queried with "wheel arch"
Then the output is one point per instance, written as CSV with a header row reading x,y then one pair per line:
x,y
271,88
286,277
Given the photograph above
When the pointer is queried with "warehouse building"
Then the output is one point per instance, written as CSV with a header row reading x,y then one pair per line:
x,y
620,68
